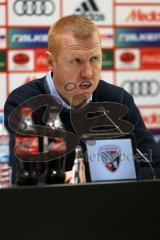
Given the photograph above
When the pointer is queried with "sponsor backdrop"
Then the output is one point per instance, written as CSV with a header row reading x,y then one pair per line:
x,y
130,34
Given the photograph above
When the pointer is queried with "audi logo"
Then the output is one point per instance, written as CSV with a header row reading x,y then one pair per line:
x,y
143,88
34,7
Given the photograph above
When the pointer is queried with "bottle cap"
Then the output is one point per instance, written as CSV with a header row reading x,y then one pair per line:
x,y
26,111
79,152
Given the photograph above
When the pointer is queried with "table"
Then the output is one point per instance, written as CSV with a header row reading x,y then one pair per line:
x,y
117,210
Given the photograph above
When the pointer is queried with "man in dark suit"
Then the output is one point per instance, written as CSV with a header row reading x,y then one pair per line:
x,y
74,58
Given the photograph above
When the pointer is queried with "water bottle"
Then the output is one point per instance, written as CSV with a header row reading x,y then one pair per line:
x,y
27,144
78,170
5,169
55,169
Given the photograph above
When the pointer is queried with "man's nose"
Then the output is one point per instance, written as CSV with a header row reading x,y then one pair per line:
x,y
87,71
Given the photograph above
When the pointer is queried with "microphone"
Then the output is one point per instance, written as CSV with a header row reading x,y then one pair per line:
x,y
103,110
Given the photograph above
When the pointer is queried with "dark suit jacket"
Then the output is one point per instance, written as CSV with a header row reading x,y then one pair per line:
x,y
104,92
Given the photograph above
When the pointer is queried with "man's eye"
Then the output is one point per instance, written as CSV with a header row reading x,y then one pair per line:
x,y
95,59
76,60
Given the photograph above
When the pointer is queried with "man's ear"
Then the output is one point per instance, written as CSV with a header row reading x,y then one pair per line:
x,y
50,61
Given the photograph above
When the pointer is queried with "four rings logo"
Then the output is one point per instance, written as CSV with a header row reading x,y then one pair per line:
x,y
143,88
34,7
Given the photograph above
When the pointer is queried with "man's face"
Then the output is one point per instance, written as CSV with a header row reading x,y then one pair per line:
x,y
77,67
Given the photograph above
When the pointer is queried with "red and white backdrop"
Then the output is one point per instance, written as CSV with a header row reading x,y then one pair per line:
x,y
130,33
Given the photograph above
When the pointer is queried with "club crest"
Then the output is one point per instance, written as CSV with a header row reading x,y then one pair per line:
x,y
110,156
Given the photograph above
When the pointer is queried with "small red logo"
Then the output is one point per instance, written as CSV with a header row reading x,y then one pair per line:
x,y
21,58
127,57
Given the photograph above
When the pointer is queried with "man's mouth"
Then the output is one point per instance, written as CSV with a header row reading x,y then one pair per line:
x,y
85,85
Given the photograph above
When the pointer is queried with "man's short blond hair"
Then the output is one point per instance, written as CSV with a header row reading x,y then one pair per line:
x,y
79,26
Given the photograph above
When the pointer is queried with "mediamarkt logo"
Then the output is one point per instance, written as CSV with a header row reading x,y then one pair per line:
x,y
142,16
90,9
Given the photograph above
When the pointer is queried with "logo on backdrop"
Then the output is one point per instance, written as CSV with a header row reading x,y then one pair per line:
x,y
32,7
91,10
150,58
143,88
2,37
3,40
137,37
3,64
143,16
21,58
127,57
153,118
30,38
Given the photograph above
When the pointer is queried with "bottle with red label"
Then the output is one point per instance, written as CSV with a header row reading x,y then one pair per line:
x,y
26,147
55,169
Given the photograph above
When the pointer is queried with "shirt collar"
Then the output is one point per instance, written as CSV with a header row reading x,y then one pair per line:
x,y
54,93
